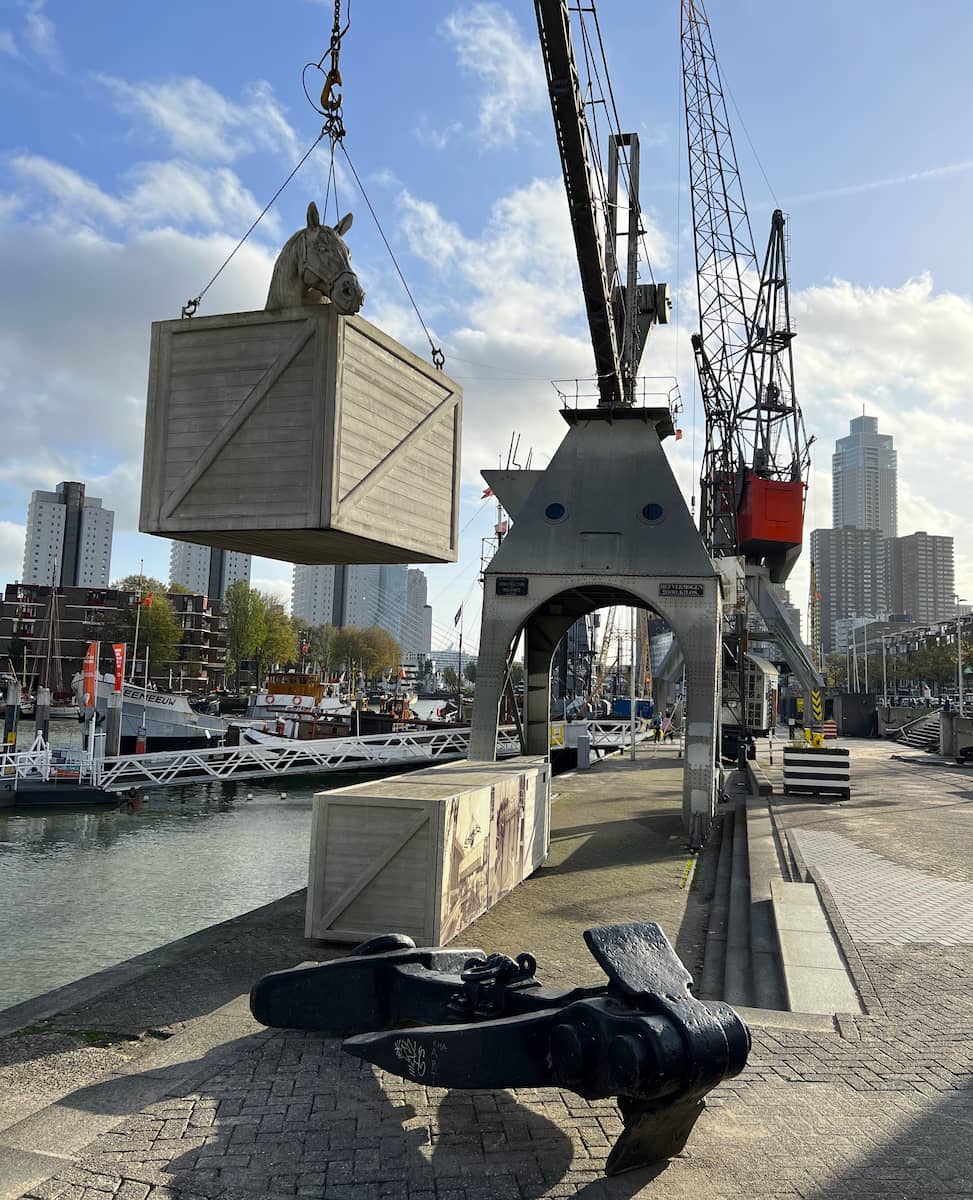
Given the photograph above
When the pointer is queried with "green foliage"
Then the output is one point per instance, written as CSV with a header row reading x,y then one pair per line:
x,y
323,643
450,678
158,628
836,668
470,670
180,589
373,650
143,584
244,616
276,641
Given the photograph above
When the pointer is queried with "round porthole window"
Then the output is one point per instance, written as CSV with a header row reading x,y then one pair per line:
x,y
653,513
555,511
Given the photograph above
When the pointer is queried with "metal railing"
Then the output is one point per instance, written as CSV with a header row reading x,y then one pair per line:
x,y
610,735
253,762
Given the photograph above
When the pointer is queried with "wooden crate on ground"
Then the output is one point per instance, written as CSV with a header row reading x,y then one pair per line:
x,y
425,853
300,435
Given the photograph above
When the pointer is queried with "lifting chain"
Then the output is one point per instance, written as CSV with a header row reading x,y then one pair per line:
x,y
329,104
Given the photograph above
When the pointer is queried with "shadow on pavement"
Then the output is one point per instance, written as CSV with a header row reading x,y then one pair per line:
x,y
297,1113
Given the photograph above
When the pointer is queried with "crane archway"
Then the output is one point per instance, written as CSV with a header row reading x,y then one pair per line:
x,y
604,524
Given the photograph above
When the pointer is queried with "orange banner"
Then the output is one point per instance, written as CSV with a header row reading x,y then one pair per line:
x,y
89,671
118,649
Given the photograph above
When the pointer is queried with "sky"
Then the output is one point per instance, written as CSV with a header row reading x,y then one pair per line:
x,y
138,142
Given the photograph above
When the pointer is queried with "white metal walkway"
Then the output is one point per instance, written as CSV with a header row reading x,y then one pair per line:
x,y
375,751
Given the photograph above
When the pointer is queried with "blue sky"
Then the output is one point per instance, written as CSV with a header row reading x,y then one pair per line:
x,y
138,141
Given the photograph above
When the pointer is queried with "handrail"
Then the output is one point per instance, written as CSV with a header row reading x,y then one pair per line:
x,y
927,715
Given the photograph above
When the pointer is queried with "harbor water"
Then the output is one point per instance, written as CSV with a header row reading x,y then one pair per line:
x,y
83,889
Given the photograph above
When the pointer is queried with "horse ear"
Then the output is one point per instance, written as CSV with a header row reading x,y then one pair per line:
x,y
313,220
344,225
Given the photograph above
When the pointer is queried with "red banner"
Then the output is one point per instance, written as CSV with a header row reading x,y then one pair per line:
x,y
118,649
89,671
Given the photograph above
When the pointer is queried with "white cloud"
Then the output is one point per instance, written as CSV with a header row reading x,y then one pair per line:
x,y
40,34
436,138
199,122
7,44
74,347
490,47
510,311
78,199
273,585
157,192
905,355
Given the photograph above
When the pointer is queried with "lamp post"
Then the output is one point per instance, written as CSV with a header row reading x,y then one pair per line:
x,y
959,655
866,655
885,682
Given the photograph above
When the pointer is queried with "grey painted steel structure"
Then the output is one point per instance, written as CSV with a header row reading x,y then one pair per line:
x,y
604,524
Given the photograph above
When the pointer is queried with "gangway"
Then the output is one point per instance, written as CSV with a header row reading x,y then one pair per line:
x,y
373,752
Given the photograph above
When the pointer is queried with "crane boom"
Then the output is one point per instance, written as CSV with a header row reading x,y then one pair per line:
x,y
574,147
620,315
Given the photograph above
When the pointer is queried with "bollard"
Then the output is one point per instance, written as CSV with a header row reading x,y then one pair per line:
x,y
584,750
113,725
459,1019
42,713
11,715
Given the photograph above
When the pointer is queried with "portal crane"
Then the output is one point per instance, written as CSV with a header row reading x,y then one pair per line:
x,y
756,457
757,454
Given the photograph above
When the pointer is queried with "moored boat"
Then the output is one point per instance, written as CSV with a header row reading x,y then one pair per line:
x,y
169,721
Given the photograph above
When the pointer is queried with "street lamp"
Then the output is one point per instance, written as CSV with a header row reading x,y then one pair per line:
x,y
885,682
959,654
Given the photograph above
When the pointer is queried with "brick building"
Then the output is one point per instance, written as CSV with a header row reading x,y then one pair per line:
x,y
25,618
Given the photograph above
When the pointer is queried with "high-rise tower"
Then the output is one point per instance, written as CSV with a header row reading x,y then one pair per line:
x,y
69,536
863,471
205,570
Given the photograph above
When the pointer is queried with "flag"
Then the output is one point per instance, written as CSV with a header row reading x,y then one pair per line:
x,y
89,670
487,493
118,649
500,529
146,601
459,615
678,435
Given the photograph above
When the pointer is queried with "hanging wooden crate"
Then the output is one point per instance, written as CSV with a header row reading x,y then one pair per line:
x,y
424,853
300,435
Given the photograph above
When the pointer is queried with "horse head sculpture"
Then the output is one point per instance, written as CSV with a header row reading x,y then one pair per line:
x,y
314,267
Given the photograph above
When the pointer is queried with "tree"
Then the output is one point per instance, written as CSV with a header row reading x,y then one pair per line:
x,y
180,589
245,617
141,583
517,673
836,668
470,670
378,651
450,678
276,642
323,643
158,628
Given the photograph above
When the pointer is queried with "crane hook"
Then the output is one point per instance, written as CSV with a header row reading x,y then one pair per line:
x,y
332,79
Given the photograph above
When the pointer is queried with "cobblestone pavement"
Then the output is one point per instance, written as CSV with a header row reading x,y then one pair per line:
x,y
926,909
882,1106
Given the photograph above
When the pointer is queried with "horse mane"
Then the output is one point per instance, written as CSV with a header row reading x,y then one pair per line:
x,y
284,268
